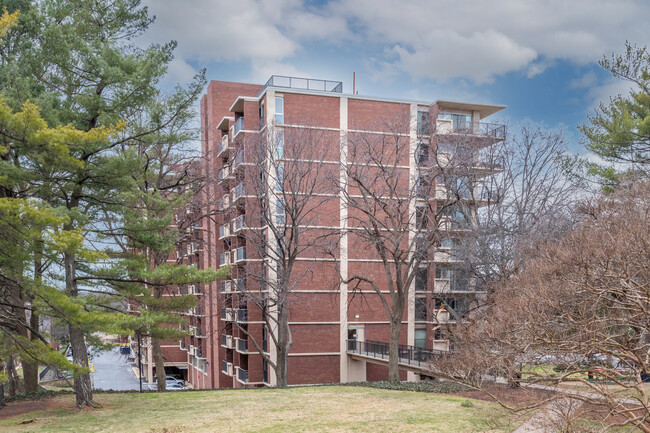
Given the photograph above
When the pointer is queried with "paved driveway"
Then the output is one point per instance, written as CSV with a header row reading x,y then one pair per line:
x,y
112,371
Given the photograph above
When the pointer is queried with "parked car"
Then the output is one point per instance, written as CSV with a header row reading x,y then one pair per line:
x,y
175,387
171,379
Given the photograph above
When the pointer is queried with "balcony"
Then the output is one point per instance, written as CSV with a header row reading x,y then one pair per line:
x,y
491,131
239,284
225,286
226,368
224,231
223,147
242,375
239,160
239,126
238,223
242,345
238,192
242,315
302,83
240,254
223,173
227,314
224,258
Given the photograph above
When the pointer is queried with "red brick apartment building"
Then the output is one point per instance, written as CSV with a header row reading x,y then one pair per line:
x,y
235,119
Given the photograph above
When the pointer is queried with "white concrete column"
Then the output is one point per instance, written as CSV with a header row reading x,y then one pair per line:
x,y
413,143
343,246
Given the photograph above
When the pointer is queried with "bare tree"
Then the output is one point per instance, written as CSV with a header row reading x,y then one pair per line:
x,y
528,199
576,314
403,195
288,177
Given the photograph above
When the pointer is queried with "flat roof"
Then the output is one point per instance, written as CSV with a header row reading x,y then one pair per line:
x,y
484,110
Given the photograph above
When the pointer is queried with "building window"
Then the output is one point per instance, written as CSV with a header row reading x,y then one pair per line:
x,y
279,144
279,110
420,338
421,218
422,154
279,213
279,178
443,272
262,114
424,119
421,309
421,279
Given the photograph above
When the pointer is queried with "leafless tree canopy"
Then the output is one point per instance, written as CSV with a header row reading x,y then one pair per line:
x,y
576,314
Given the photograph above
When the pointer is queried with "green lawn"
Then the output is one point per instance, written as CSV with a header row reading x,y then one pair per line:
x,y
310,409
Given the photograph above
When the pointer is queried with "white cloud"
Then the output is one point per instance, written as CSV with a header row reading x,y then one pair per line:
x,y
480,39
474,39
609,89
586,81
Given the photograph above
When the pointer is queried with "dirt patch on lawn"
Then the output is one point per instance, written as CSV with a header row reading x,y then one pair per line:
x,y
23,407
515,397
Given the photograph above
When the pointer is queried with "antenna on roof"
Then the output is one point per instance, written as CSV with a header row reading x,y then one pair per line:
x,y
354,82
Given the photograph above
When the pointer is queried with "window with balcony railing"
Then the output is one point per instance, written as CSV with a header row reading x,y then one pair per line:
x,y
238,191
224,258
240,254
242,375
238,223
239,125
242,345
224,231
224,366
242,315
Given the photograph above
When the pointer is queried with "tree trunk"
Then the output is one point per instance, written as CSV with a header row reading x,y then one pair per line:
x,y
160,364
14,384
2,395
282,349
82,385
30,366
393,370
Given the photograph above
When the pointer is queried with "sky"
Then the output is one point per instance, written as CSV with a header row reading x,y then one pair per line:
x,y
539,58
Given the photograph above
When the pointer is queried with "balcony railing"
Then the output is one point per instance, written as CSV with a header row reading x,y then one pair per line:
x,y
239,159
223,145
302,83
240,284
223,173
242,315
493,130
242,345
240,254
224,258
238,192
242,375
238,223
239,125
224,231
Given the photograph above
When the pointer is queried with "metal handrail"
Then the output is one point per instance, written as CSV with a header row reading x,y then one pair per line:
x,y
302,83
409,355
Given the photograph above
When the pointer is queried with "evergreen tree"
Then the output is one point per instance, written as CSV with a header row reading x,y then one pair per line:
x,y
619,131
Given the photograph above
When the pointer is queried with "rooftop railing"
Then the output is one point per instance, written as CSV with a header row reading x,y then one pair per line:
x,y
303,84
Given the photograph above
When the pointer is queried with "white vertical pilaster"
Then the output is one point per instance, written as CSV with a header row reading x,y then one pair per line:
x,y
413,142
271,272
343,246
